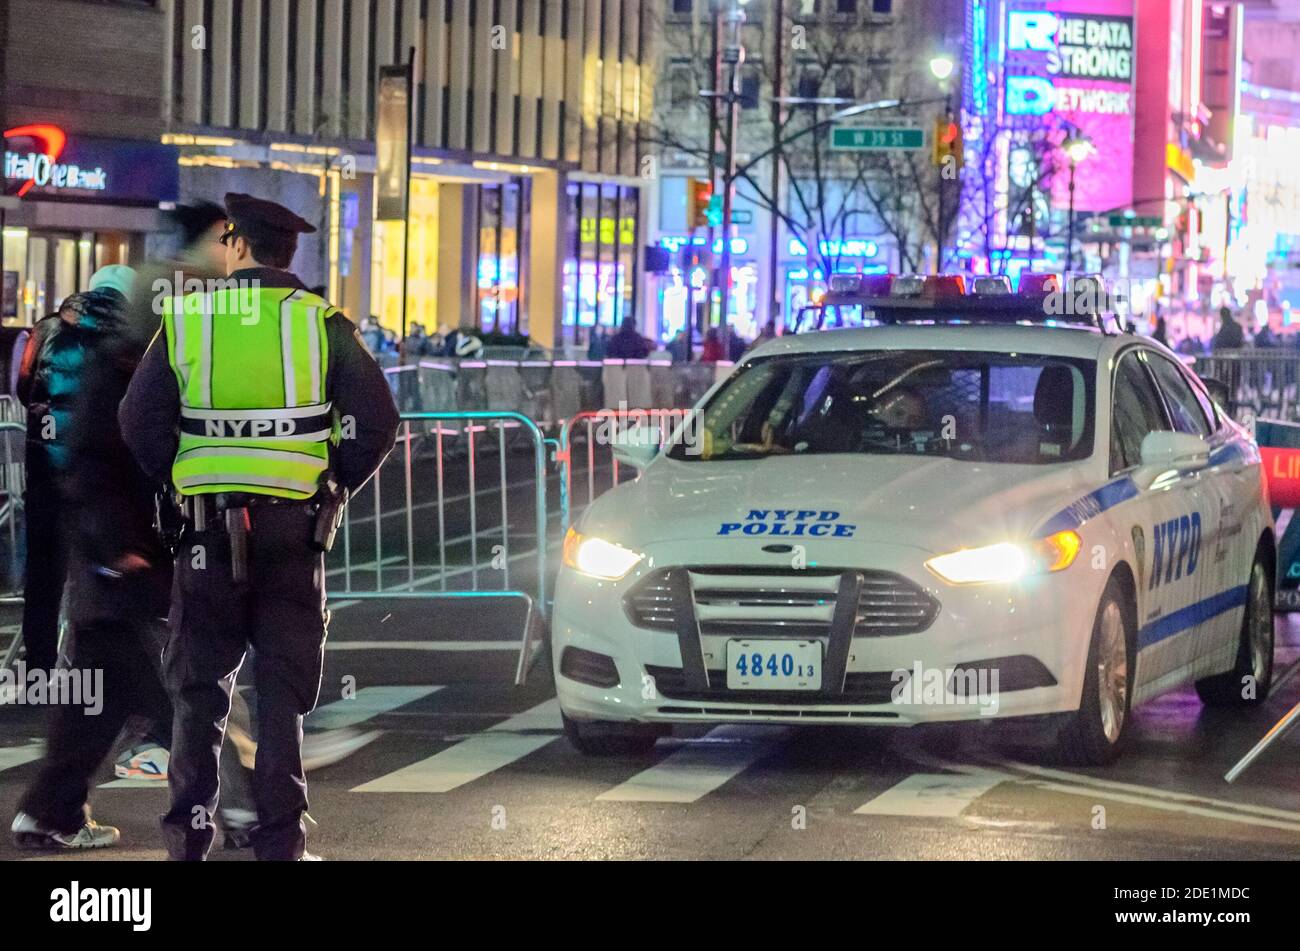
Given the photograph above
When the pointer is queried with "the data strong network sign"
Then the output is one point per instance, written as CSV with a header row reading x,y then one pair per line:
x,y
1072,63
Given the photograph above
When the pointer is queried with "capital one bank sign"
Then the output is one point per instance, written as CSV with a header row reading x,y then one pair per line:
x,y
1072,63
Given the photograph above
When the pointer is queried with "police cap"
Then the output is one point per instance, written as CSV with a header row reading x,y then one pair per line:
x,y
252,217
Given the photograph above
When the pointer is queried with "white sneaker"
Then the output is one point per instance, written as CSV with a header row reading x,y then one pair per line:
x,y
331,746
29,834
147,761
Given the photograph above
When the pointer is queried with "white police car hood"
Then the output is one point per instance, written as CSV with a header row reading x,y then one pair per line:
x,y
936,504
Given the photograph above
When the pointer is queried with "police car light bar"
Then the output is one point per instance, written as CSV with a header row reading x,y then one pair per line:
x,y
929,285
860,285
991,285
846,283
1038,285
942,298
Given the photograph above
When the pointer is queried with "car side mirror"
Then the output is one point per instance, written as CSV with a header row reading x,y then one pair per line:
x,y
636,446
1165,450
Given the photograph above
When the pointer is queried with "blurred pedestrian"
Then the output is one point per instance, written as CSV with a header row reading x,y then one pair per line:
x,y
736,345
628,344
680,346
1161,332
1230,335
712,351
416,345
199,261
1265,337
118,582
372,335
47,378
598,344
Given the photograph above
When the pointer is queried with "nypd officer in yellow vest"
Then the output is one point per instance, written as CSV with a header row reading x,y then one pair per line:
x,y
258,403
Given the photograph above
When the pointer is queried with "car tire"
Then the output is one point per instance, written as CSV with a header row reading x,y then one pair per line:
x,y
604,738
1254,649
1095,734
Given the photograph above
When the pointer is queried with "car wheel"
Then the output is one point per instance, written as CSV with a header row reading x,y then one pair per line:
x,y
1094,734
603,738
1254,650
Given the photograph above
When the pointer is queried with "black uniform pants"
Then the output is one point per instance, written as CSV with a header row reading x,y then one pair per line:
x,y
278,610
47,563
124,653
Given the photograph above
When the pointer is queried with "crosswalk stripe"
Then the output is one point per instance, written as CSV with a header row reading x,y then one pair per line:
x,y
476,756
134,784
368,703
13,756
931,795
699,767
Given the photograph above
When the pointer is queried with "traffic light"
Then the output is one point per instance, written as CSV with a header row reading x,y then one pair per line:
x,y
947,142
699,195
713,213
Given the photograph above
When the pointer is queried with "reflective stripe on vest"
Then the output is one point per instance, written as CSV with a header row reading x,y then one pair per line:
x,y
251,367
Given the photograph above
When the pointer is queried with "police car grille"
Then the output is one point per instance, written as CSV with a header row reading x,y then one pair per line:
x,y
797,603
889,604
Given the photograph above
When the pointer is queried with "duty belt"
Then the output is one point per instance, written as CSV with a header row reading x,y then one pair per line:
x,y
228,512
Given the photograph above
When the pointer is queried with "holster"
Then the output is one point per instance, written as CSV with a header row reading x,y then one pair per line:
x,y
333,499
167,519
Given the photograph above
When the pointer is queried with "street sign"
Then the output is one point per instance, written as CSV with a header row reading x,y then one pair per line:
x,y
1134,221
877,138
742,216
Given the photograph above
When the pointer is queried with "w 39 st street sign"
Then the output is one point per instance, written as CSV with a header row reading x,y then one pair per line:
x,y
877,138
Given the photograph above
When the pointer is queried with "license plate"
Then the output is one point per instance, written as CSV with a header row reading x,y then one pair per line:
x,y
774,665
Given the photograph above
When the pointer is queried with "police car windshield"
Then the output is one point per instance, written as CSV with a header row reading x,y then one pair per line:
x,y
981,407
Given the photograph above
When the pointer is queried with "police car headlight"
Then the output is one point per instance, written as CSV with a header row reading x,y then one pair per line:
x,y
597,557
1007,561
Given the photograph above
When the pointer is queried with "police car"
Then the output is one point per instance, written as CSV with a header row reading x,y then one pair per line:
x,y
982,505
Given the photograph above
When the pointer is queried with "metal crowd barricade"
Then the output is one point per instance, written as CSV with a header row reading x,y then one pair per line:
x,y
1279,443
596,428
1265,381
12,411
13,473
402,556
547,390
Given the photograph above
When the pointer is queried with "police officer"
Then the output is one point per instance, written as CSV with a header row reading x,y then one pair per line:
x,y
262,408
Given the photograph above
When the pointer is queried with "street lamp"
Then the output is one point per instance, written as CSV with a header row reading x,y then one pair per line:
x,y
1077,147
726,91
941,67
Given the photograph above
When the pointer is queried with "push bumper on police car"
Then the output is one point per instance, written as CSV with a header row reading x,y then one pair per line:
x,y
874,637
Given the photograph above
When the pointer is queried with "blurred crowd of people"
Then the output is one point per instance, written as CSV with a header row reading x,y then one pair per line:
x,y
1233,334
718,344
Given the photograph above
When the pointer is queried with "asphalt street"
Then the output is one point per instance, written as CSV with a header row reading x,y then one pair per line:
x,y
468,765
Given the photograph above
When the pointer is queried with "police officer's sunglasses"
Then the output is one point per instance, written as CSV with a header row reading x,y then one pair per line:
x,y
229,235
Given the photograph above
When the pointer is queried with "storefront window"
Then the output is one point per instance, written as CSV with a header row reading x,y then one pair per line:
x,y
600,268
44,268
15,305
502,209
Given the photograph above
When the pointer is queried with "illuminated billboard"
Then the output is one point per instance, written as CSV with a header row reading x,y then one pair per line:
x,y
1071,64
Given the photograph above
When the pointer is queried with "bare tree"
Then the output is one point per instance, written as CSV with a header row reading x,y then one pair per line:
x,y
1006,188
830,195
